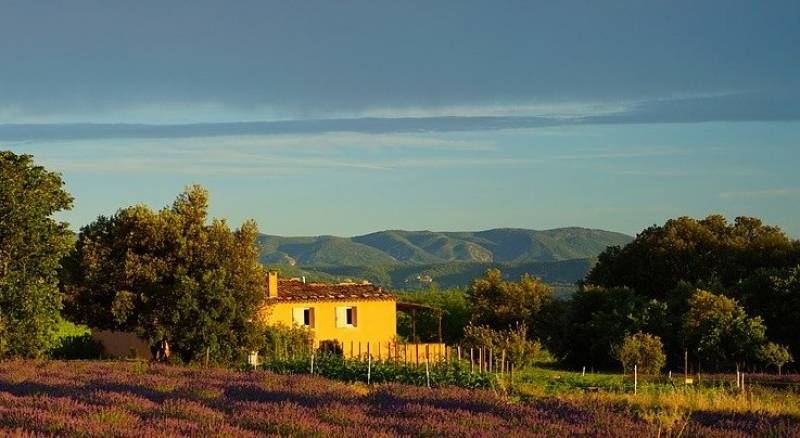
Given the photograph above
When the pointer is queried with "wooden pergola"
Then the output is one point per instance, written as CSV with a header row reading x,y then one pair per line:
x,y
411,308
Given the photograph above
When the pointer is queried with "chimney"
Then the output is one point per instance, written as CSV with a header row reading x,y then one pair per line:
x,y
272,284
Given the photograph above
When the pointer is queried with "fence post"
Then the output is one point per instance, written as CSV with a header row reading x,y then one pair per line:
x,y
635,378
427,353
480,359
351,349
312,363
503,362
369,367
417,353
427,374
583,372
471,361
458,348
737,376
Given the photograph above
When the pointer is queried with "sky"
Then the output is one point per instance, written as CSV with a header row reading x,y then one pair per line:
x,y
351,117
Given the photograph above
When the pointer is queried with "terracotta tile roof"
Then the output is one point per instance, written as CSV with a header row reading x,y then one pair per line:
x,y
295,290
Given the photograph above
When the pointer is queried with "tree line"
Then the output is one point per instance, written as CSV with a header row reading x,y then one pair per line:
x,y
719,294
715,294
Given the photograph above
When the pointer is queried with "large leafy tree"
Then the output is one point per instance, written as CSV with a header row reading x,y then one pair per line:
x,y
501,304
32,244
709,253
718,331
774,294
170,275
596,320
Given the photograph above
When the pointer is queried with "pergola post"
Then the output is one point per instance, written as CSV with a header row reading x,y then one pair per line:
x,y
440,326
414,325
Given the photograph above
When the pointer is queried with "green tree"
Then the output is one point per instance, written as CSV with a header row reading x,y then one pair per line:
x,y
170,275
32,244
643,350
708,253
500,304
776,355
774,294
595,320
717,329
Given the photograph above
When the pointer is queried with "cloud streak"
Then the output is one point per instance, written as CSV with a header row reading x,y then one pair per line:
x,y
762,194
747,106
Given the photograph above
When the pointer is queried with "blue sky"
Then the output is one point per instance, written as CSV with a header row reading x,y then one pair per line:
x,y
350,117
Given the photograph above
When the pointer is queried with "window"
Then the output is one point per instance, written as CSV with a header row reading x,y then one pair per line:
x,y
303,316
346,316
349,316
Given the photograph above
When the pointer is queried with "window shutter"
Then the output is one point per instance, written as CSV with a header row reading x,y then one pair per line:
x,y
311,320
297,315
341,317
355,316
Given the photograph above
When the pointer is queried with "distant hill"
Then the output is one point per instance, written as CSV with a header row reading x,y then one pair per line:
x,y
415,259
502,245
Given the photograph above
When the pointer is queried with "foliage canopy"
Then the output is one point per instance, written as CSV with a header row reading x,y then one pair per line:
x,y
170,275
32,244
643,350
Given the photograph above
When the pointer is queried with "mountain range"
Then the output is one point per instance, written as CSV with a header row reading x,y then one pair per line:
x,y
410,259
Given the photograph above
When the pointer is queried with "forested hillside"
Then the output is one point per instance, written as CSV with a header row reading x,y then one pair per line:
x,y
417,259
502,245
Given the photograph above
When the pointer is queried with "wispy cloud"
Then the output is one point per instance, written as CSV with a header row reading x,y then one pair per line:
x,y
643,152
489,117
670,173
759,194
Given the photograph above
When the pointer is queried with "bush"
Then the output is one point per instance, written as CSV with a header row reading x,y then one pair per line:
x,y
281,342
452,373
519,350
331,347
775,355
77,347
643,350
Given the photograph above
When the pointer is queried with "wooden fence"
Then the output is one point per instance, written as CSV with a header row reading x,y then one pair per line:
x,y
481,360
396,351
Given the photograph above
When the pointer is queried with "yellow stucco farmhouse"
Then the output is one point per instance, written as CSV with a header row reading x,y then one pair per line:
x,y
352,314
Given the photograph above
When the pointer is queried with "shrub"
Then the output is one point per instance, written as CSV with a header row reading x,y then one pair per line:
x,y
776,355
331,347
282,342
519,350
643,350
451,373
77,347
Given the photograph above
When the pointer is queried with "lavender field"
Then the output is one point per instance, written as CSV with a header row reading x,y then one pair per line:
x,y
39,398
